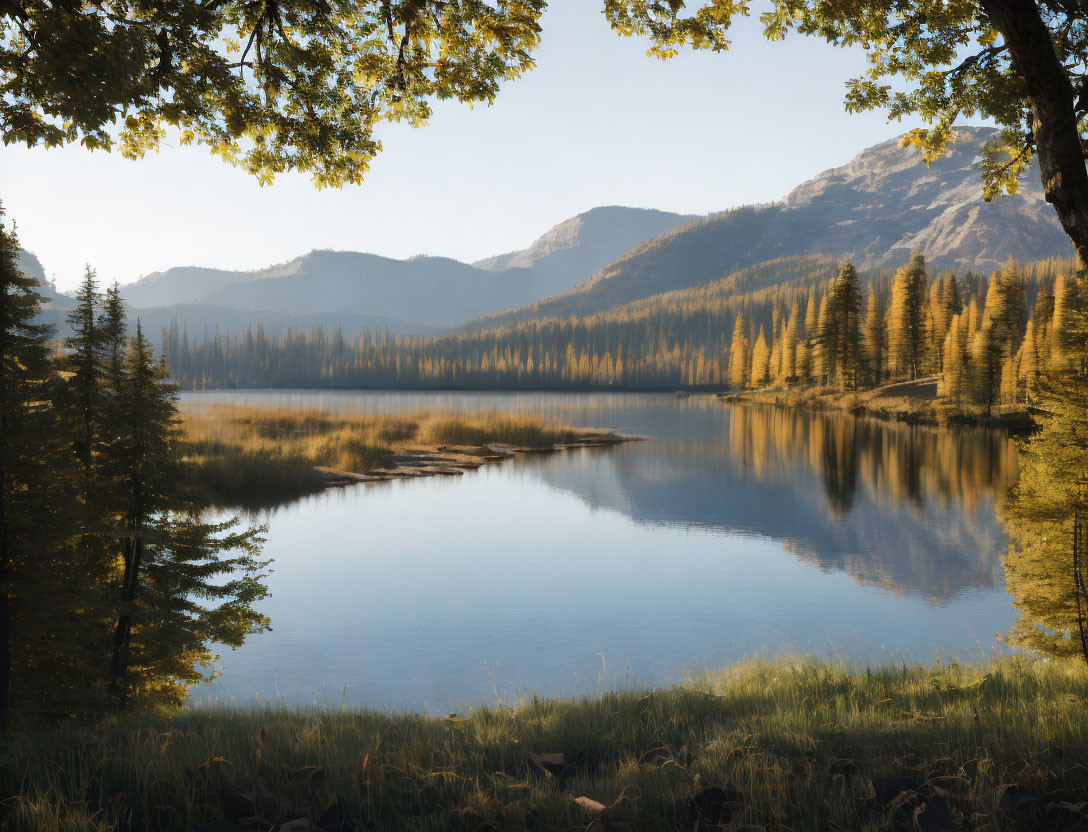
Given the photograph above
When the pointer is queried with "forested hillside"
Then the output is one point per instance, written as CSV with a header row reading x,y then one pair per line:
x,y
786,322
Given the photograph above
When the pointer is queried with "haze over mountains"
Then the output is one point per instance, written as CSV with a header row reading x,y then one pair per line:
x,y
875,210
427,291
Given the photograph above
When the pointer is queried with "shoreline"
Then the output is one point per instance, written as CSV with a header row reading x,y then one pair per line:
x,y
414,462
890,403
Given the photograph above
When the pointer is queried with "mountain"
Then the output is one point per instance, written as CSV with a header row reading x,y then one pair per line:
x,y
29,264
433,291
430,290
584,244
178,285
874,211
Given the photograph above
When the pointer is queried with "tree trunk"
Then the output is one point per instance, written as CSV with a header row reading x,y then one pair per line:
x,y
5,554
122,636
5,575
1080,593
1054,124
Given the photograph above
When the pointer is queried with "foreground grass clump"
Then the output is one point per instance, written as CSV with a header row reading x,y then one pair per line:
x,y
239,455
793,745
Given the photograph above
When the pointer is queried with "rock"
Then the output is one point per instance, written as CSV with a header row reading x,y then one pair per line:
x,y
590,805
554,765
248,800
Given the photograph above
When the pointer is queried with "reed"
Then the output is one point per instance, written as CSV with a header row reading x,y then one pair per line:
x,y
242,455
999,746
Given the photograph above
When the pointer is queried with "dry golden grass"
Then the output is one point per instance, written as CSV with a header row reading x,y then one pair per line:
x,y
242,455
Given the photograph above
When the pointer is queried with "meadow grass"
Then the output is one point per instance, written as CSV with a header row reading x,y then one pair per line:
x,y
237,455
799,741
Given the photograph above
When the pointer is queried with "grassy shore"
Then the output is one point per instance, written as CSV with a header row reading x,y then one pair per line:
x,y
242,455
780,745
914,401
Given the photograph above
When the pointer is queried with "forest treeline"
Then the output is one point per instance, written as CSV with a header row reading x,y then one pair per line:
x,y
112,586
793,321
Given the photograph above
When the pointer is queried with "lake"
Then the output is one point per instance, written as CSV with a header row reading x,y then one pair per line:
x,y
732,532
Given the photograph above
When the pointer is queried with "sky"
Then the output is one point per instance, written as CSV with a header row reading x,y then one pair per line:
x,y
597,122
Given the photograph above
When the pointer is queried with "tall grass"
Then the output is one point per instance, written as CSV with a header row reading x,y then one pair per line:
x,y
799,741
240,454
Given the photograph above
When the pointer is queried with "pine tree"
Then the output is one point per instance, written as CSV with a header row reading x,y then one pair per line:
x,y
822,355
791,337
1029,364
954,378
812,316
874,337
987,358
172,561
906,331
1047,522
840,335
83,408
24,374
761,360
738,355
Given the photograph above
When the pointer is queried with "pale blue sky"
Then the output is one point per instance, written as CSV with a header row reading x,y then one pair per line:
x,y
596,123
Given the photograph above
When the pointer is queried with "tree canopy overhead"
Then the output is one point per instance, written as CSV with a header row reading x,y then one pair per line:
x,y
271,85
275,85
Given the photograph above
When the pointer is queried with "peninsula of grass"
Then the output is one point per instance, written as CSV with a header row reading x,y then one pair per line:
x,y
240,455
777,745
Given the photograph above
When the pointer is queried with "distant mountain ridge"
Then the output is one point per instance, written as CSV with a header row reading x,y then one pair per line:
x,y
874,211
431,291
584,244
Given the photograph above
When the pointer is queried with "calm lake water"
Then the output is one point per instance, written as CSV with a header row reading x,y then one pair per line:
x,y
732,532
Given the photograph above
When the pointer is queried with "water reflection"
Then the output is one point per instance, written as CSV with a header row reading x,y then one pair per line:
x,y
732,531
907,508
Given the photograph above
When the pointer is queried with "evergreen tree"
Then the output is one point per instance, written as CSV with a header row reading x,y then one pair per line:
x,y
83,408
761,361
987,359
812,315
954,378
874,337
790,339
24,374
738,356
1047,521
172,561
840,337
906,330
822,356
